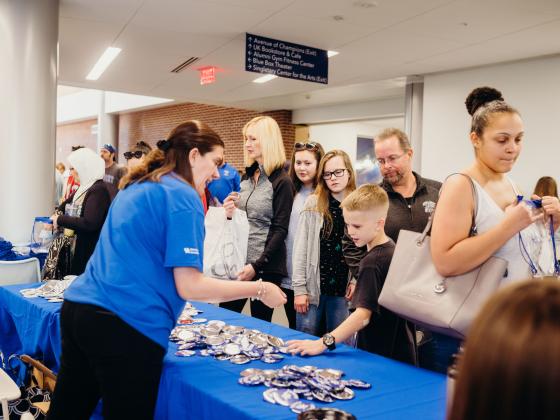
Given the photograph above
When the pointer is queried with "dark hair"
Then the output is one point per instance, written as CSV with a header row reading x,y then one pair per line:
x,y
546,186
510,368
74,148
143,147
172,156
317,151
482,103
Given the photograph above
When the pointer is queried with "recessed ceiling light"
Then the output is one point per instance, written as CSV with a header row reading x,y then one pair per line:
x,y
364,4
332,53
265,78
104,61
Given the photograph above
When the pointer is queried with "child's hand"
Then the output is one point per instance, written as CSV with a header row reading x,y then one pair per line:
x,y
306,347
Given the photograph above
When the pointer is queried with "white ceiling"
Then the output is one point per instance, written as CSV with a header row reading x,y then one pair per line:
x,y
379,42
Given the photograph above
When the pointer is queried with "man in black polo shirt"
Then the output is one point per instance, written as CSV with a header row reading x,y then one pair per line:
x,y
411,198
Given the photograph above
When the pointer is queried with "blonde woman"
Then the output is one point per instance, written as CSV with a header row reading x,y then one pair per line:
x,y
267,194
320,273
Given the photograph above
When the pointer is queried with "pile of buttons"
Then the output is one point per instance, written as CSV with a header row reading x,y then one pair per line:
x,y
227,342
291,384
52,290
188,314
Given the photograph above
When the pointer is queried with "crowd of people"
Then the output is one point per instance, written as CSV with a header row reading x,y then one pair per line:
x,y
319,245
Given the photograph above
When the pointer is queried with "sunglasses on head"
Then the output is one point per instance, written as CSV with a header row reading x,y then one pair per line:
x,y
129,155
306,146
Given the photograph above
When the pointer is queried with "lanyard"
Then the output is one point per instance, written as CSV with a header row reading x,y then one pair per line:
x,y
527,257
523,249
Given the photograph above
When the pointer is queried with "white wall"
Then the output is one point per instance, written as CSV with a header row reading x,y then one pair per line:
x,y
343,135
85,104
531,86
375,109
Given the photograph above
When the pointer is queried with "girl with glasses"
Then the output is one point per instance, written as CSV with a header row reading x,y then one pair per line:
x,y
320,274
303,172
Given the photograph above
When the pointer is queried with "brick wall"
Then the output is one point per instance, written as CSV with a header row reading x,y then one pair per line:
x,y
155,124
74,134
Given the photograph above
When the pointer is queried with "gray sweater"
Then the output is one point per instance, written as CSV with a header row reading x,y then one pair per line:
x,y
306,279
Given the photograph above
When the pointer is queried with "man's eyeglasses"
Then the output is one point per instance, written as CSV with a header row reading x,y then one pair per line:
x,y
337,173
306,146
390,159
129,155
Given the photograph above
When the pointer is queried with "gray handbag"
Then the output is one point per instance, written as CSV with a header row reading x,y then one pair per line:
x,y
415,290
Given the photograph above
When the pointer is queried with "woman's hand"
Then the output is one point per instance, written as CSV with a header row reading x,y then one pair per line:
x,y
247,273
301,304
54,219
518,216
306,347
350,291
273,295
229,206
551,206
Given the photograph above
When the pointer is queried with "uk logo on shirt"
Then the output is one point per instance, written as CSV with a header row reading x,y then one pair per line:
x,y
429,206
191,251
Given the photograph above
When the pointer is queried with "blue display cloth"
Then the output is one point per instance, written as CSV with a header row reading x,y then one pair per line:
x,y
204,388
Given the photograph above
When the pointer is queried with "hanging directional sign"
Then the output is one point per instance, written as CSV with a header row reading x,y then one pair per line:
x,y
285,59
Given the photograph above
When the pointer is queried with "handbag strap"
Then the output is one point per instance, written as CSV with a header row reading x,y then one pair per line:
x,y
473,229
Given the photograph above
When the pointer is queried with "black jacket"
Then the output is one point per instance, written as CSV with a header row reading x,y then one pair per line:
x,y
88,226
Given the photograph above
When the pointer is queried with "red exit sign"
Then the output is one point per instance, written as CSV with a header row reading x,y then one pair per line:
x,y
207,75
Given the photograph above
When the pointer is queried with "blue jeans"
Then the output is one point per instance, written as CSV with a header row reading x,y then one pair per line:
x,y
330,313
436,353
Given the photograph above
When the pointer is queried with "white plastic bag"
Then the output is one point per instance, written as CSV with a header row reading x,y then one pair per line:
x,y
225,243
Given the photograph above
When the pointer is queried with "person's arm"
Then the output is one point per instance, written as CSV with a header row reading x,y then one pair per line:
x,y
453,251
551,206
368,288
192,285
351,325
95,211
282,200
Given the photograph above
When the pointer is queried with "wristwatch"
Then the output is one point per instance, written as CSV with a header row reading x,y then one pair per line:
x,y
329,341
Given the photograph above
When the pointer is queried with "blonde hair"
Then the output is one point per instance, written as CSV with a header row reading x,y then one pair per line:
x,y
367,197
267,131
322,191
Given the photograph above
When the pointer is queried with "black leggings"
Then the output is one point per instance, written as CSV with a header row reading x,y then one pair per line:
x,y
258,309
289,308
103,357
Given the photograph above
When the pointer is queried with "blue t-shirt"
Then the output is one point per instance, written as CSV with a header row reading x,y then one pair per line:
x,y
151,228
229,181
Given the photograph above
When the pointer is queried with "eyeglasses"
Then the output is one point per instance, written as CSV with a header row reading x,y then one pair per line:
x,y
306,146
337,173
390,160
129,155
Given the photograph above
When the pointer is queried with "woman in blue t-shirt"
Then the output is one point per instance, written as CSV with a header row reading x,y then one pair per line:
x,y
117,316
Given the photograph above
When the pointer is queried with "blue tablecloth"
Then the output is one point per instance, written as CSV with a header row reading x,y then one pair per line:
x,y
204,388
